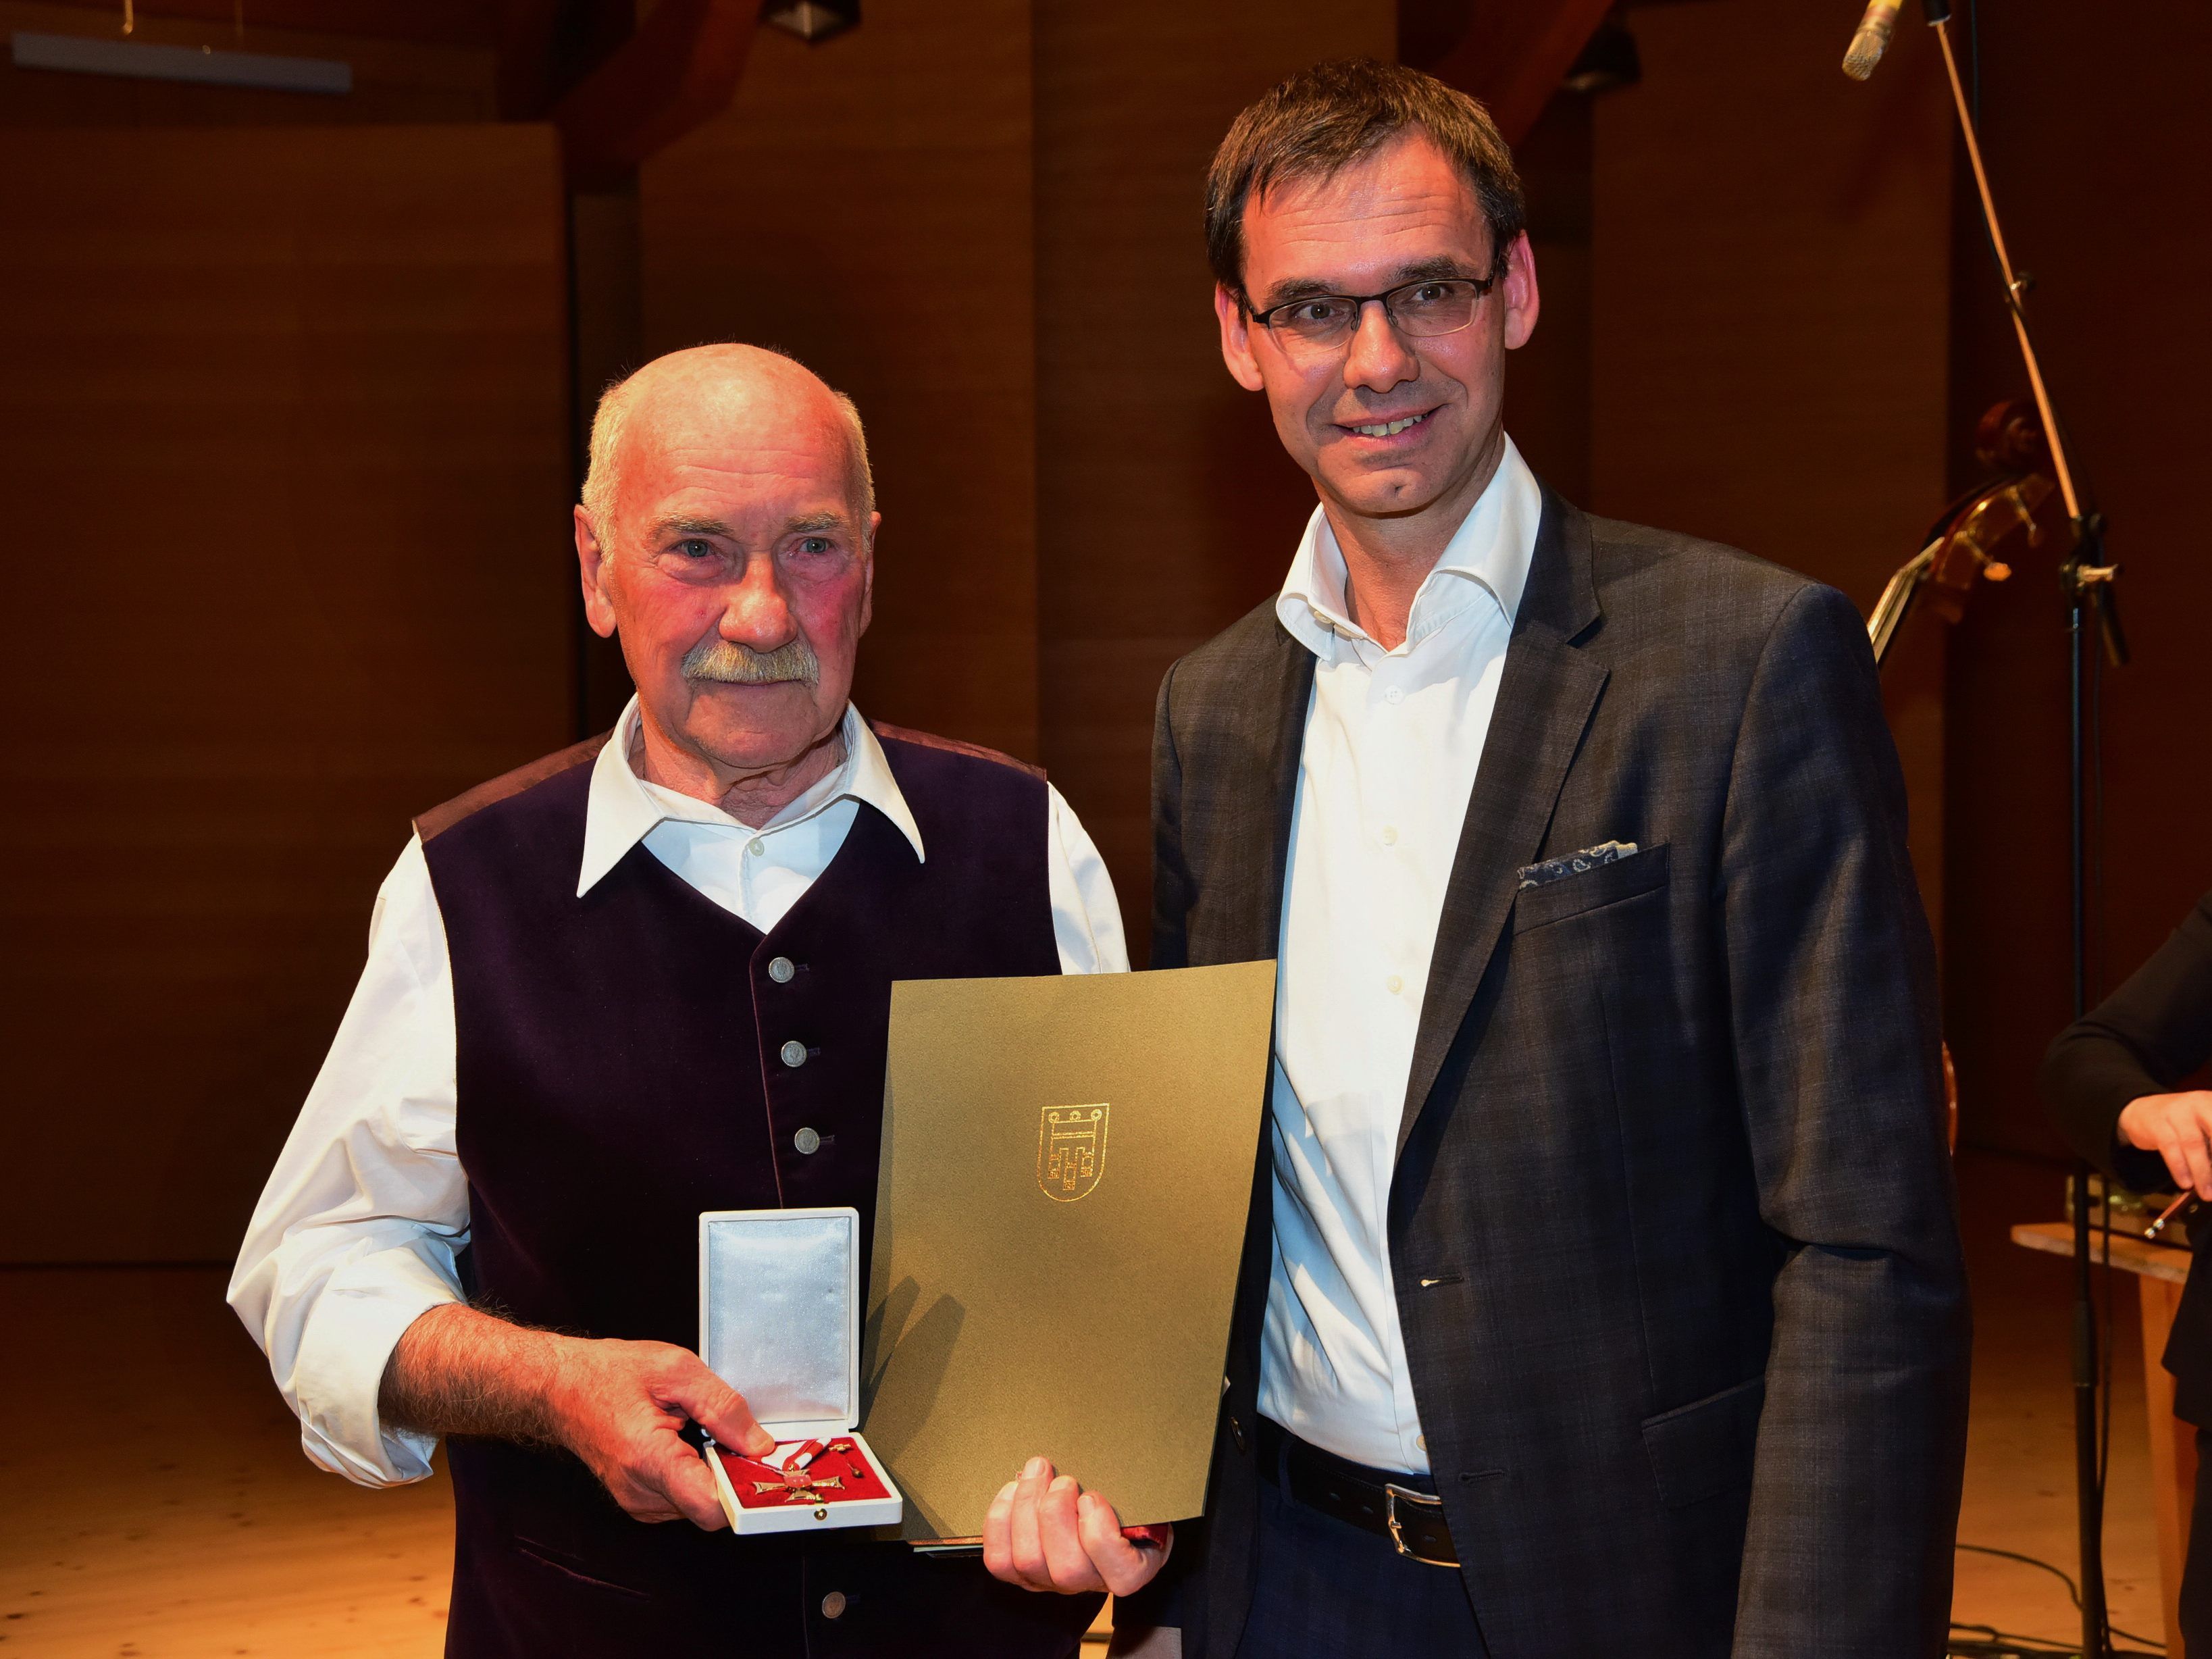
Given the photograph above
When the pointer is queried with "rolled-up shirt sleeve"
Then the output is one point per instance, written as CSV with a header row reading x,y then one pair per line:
x,y
1086,917
356,1234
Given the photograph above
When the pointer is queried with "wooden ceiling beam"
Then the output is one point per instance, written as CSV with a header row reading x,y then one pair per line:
x,y
680,68
1516,52
548,48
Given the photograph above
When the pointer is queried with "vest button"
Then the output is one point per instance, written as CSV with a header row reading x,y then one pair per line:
x,y
794,1053
807,1141
833,1605
780,970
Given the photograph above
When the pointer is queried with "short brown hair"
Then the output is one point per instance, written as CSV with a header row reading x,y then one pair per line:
x,y
1323,120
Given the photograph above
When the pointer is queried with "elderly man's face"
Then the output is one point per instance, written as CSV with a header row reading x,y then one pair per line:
x,y
739,571
1403,213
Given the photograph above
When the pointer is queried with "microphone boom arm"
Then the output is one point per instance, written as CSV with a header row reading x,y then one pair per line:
x,y
2087,579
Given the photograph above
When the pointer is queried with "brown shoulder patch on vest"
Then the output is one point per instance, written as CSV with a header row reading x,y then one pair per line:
x,y
975,751
439,819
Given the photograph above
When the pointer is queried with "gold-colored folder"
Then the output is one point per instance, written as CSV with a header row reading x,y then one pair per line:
x,y
1068,1167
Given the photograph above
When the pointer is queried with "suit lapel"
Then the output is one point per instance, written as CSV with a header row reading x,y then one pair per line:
x,y
1545,698
1278,705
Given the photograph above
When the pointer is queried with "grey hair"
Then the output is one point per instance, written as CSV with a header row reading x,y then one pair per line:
x,y
603,469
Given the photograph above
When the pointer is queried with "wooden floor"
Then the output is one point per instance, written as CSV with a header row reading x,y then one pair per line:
x,y
154,1502
2020,1445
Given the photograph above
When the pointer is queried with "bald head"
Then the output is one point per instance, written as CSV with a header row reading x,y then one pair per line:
x,y
714,395
726,536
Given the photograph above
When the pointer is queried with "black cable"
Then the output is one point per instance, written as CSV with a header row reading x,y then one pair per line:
x,y
2105,1358
2073,1592
1988,1642
2102,1403
2099,975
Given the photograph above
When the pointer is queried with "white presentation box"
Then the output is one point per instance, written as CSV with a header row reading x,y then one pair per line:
x,y
780,1322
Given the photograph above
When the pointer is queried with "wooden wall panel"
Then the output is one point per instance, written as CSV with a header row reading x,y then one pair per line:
x,y
394,80
281,437
1547,381
1772,251
2101,202
865,204
1165,507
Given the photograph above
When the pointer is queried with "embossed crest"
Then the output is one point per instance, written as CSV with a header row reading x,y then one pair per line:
x,y
1070,1151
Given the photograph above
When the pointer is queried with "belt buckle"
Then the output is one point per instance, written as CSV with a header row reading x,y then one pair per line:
x,y
1391,1493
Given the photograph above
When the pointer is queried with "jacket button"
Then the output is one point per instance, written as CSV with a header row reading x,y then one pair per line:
x,y
807,1141
1237,1433
833,1605
780,970
794,1053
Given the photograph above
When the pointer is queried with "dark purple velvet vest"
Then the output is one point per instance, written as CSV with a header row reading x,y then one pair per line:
x,y
622,1066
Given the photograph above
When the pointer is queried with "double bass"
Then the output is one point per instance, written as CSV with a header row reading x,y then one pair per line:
x,y
1975,540
1980,534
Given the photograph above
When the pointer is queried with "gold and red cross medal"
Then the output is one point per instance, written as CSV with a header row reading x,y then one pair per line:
x,y
797,1484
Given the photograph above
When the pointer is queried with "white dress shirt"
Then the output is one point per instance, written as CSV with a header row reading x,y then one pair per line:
x,y
1392,742
356,1234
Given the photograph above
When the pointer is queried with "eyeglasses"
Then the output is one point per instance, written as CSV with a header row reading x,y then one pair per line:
x,y
1422,310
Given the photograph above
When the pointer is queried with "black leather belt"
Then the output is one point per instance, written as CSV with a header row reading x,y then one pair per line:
x,y
1413,1520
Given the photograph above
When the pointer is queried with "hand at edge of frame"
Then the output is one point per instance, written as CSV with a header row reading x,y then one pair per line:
x,y
2179,1127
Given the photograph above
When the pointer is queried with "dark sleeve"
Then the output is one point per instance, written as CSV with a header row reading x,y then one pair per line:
x,y
1831,991
2143,1040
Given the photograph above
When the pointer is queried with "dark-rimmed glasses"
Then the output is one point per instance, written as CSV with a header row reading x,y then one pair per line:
x,y
1419,310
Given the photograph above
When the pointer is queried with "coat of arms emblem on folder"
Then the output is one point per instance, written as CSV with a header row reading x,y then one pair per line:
x,y
1070,1151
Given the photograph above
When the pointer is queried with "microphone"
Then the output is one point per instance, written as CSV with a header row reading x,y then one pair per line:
x,y
1872,38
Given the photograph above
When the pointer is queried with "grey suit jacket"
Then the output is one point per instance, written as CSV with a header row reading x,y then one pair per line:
x,y
1672,1227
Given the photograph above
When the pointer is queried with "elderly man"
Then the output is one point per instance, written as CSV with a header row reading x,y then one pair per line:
x,y
646,977
1603,1291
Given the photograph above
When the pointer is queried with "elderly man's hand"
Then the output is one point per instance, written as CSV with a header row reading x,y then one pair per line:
x,y
1048,1534
2177,1127
621,1406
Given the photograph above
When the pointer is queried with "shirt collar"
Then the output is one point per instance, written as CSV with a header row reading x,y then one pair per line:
x,y
1492,547
622,809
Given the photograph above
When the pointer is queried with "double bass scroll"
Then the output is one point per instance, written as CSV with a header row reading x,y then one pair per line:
x,y
1980,534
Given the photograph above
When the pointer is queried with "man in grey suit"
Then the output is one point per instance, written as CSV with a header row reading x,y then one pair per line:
x,y
1602,1293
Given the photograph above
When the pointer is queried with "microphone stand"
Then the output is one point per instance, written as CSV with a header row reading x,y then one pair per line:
x,y
2087,581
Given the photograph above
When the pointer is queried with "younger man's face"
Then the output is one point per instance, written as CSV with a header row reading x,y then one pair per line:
x,y
1404,213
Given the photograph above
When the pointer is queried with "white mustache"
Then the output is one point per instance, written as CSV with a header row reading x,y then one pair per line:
x,y
733,663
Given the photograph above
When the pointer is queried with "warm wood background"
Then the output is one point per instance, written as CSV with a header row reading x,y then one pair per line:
x,y
2099,134
1769,351
313,363
866,206
427,79
1166,509
282,414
